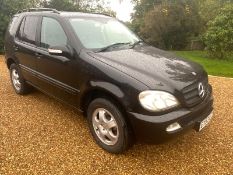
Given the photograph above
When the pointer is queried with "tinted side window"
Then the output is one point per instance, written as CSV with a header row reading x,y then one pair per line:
x,y
30,27
52,34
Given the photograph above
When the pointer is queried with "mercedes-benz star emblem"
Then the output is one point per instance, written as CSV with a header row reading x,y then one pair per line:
x,y
194,73
201,90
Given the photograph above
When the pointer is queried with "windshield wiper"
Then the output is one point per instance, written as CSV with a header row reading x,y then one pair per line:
x,y
136,43
110,46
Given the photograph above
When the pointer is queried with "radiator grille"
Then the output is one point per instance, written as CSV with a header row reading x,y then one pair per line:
x,y
191,93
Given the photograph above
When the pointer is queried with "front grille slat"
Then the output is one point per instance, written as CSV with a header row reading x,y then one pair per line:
x,y
190,90
191,94
194,100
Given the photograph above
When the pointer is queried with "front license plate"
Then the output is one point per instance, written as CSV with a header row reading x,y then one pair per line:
x,y
205,121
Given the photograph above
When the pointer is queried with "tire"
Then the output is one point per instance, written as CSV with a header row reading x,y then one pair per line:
x,y
107,126
18,82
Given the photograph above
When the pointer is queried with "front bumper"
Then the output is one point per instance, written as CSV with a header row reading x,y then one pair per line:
x,y
153,128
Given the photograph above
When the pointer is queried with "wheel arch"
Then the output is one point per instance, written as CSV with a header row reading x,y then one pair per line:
x,y
9,62
103,93
94,93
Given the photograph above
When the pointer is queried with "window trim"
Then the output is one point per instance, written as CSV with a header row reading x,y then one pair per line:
x,y
19,27
13,24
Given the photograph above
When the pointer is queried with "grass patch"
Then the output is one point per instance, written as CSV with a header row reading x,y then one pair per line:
x,y
212,66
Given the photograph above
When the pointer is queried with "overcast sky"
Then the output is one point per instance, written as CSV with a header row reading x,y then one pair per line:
x,y
123,10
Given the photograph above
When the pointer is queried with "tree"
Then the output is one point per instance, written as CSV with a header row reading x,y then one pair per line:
x,y
97,6
160,23
219,36
141,7
209,9
62,5
170,25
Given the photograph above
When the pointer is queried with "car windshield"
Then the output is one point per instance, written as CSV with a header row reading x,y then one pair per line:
x,y
97,33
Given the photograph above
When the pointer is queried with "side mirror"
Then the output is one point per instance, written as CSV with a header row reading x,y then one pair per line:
x,y
59,51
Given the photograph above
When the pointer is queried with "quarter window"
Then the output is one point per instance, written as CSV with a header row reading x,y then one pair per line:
x,y
28,29
52,34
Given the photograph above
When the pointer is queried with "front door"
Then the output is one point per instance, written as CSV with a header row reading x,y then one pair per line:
x,y
56,74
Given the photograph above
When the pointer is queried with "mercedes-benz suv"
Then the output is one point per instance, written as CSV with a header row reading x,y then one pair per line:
x,y
127,89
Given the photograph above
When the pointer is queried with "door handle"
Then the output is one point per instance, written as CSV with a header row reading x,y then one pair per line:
x,y
38,55
16,48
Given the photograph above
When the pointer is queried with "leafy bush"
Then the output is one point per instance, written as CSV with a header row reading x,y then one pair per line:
x,y
219,35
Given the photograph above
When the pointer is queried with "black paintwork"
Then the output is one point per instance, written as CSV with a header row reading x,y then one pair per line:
x,y
120,74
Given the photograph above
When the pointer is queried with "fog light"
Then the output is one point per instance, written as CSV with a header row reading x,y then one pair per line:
x,y
173,127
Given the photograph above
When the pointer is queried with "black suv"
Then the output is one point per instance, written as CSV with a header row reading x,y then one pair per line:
x,y
126,88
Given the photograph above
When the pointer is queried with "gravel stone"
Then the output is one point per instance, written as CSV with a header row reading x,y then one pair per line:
x,y
39,135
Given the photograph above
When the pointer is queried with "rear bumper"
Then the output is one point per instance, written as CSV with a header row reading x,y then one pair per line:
x,y
153,128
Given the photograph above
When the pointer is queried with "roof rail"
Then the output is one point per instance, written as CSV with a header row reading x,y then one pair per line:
x,y
99,13
39,10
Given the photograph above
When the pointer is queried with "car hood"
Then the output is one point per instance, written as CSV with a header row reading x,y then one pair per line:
x,y
153,67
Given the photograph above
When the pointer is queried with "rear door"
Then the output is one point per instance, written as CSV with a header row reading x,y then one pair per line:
x,y
57,74
25,46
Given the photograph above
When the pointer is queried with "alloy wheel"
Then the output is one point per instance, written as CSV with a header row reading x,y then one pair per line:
x,y
105,126
15,79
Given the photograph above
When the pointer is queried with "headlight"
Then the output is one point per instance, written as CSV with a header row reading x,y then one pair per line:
x,y
157,100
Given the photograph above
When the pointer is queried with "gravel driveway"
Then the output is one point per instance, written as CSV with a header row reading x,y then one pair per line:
x,y
39,135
